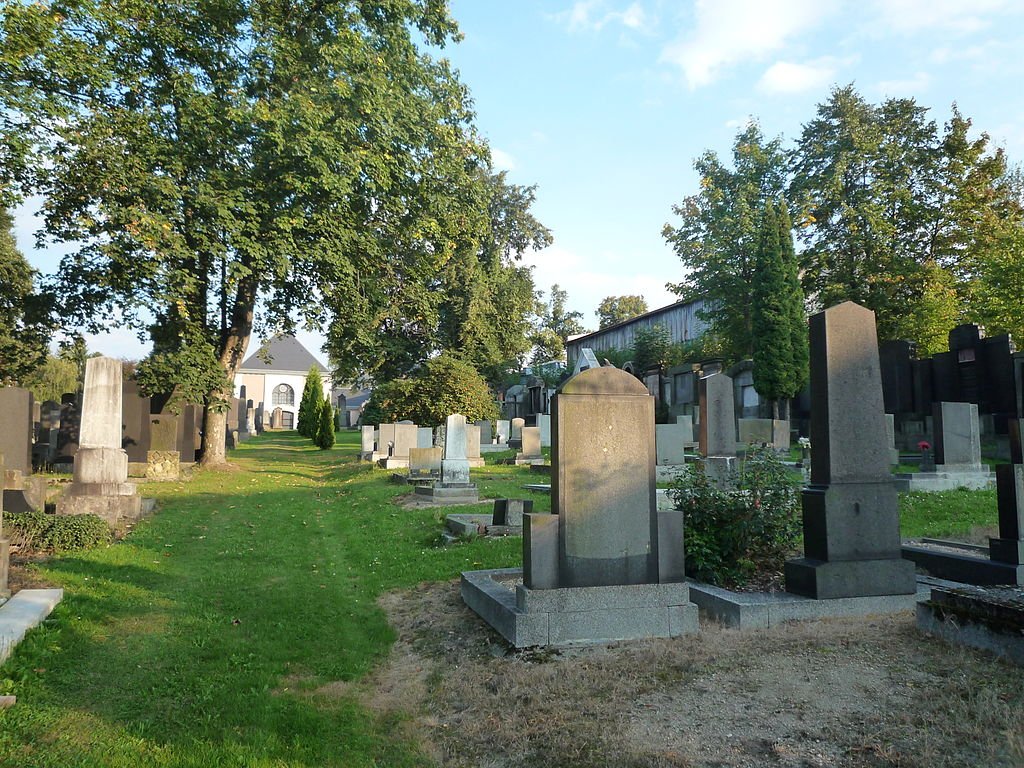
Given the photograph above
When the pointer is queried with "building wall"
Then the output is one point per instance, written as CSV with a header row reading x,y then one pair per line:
x,y
259,388
680,319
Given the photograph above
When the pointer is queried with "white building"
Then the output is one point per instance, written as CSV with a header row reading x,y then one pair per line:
x,y
274,377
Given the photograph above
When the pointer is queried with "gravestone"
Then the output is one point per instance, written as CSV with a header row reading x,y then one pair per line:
x,y
544,424
515,433
530,451
135,435
585,361
67,437
606,564
100,484
770,432
44,451
402,436
367,444
503,429
717,441
850,508
1008,547
473,446
190,439
424,463
686,422
957,438
510,512
277,418
17,428
454,485
890,436
486,432
385,439
671,441
424,437
250,419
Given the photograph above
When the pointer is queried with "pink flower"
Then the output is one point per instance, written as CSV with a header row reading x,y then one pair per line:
x,y
924,445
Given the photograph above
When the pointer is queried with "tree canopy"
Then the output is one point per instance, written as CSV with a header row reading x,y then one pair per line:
x,y
24,330
618,309
217,159
554,325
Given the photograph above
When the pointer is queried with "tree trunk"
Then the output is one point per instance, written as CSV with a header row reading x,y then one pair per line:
x,y
234,340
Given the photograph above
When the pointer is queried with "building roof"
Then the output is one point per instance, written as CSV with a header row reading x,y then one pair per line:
x,y
282,354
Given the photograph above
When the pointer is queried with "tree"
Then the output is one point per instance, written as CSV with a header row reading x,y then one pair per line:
x,y
796,308
618,309
718,235
309,406
774,375
441,387
207,155
24,332
652,348
323,433
53,378
555,324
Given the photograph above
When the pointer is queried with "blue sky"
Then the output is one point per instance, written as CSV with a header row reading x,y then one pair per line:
x,y
604,104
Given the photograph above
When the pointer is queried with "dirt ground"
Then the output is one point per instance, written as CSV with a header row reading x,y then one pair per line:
x,y
842,692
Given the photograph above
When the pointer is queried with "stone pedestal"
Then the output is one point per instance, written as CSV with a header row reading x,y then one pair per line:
x,y
163,465
850,510
454,485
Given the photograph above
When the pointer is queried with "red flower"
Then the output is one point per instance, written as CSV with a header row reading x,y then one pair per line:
x,y
924,445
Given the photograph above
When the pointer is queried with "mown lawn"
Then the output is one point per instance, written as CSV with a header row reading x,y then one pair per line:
x,y
202,638
211,635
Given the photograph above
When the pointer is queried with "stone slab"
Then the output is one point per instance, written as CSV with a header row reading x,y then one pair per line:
x,y
933,482
21,613
952,614
964,568
439,494
577,615
759,610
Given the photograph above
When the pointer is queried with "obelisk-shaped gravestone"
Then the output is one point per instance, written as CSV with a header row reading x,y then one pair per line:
x,y
100,484
1009,546
850,509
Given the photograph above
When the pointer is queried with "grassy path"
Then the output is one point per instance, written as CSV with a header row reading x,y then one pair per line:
x,y
201,640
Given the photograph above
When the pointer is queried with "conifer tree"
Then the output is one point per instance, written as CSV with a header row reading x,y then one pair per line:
x,y
324,433
774,375
309,406
797,310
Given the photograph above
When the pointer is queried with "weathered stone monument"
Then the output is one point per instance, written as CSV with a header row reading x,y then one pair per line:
x,y
424,464
510,512
400,437
773,433
957,452
100,484
717,441
529,451
544,425
367,445
850,509
504,427
606,564
486,432
473,446
16,428
515,433
424,437
454,486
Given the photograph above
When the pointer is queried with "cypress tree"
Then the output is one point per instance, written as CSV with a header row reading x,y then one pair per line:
x,y
771,314
325,426
309,406
796,309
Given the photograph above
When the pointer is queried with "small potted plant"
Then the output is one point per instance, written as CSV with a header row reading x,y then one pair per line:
x,y
927,457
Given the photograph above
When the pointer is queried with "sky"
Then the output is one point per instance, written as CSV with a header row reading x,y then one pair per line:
x,y
605,104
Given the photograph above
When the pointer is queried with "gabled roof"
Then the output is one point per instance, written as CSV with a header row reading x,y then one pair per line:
x,y
280,354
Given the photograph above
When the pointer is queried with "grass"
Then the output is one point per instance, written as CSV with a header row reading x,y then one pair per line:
x,y
224,630
175,647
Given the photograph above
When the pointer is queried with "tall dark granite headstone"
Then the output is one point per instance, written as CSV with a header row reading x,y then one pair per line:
x,y
190,423
1008,547
135,415
67,437
17,428
850,509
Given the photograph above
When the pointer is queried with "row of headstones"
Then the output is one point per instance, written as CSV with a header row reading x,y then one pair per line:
x,y
397,443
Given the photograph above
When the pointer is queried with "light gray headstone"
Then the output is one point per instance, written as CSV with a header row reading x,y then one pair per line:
x,y
957,437
386,439
717,416
366,434
101,404
455,466
425,437
586,361
544,424
472,441
486,432
686,422
671,440
424,462
755,431
504,427
516,429
406,435
531,443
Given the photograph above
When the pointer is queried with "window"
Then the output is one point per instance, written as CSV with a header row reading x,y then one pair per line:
x,y
283,395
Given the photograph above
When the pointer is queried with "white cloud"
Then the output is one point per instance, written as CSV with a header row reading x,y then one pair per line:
x,y
730,32
905,87
957,16
595,15
589,280
503,160
789,77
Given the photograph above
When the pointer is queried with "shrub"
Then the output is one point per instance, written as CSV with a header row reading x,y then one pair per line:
x,y
441,387
309,406
753,526
53,533
324,435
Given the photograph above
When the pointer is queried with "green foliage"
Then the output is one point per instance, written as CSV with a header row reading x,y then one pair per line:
x,y
324,435
441,387
717,237
652,348
750,528
310,405
53,378
188,369
618,309
555,324
780,330
52,533
24,329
